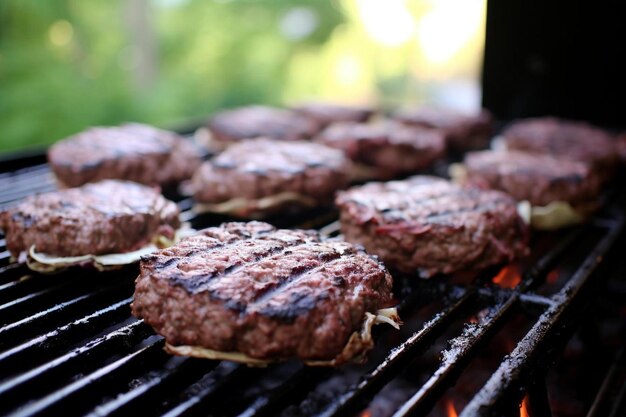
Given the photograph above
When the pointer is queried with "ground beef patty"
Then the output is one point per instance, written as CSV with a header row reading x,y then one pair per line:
x,y
385,150
133,152
262,292
325,114
565,139
462,131
539,179
106,217
432,226
260,176
254,121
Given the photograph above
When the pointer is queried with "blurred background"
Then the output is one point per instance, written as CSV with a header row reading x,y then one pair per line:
x,y
66,65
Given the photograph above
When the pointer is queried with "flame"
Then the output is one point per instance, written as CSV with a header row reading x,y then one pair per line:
x,y
523,412
450,409
365,413
552,277
473,319
508,277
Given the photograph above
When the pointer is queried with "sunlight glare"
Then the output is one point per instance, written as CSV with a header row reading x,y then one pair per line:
x,y
388,22
448,27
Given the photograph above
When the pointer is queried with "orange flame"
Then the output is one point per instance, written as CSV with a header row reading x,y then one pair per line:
x,y
365,413
523,411
450,409
553,277
508,277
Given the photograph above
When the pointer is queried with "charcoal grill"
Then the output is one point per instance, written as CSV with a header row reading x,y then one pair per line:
x,y
69,345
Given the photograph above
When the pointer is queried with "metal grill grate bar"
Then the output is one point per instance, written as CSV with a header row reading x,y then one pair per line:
x,y
505,383
16,332
454,360
354,398
177,372
41,348
207,388
37,380
85,386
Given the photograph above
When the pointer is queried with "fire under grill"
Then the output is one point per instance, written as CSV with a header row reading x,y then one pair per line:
x,y
472,344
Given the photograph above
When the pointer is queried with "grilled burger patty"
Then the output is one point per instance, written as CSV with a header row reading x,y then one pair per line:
x,y
563,138
262,168
325,114
255,121
133,152
432,226
110,216
462,131
387,149
539,179
260,291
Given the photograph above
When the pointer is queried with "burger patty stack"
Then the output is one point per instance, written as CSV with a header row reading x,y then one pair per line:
x,y
249,292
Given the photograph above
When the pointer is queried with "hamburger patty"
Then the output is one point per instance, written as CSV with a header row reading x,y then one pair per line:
x,y
133,152
325,114
462,131
262,168
565,139
260,291
539,179
433,226
386,149
110,216
255,121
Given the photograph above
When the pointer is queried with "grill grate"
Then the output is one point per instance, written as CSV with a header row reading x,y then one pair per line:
x,y
68,343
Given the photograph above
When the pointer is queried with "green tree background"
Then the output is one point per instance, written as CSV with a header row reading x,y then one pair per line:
x,y
69,64
66,65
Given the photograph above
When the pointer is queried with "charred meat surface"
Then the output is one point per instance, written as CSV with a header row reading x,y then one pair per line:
x,y
462,131
386,150
110,216
264,168
132,152
539,179
565,139
433,226
328,113
261,291
255,121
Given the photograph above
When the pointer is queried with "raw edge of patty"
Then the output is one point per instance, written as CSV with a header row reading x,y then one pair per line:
x,y
261,176
385,150
111,216
133,152
429,225
250,289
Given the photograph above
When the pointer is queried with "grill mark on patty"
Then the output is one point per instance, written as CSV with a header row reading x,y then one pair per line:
x,y
298,301
216,292
195,283
224,239
296,275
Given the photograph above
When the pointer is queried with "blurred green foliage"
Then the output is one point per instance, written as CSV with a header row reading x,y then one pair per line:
x,y
66,65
